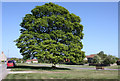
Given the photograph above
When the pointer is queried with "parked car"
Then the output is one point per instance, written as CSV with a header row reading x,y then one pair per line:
x,y
10,63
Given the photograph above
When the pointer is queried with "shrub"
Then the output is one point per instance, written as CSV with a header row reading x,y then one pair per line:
x,y
2,61
118,62
85,61
109,60
96,59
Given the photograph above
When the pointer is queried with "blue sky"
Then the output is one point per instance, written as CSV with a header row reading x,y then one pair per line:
x,y
100,21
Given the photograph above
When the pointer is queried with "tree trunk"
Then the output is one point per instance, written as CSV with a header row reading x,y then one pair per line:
x,y
54,66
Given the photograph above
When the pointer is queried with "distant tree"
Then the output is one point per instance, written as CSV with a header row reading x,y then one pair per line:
x,y
110,60
18,60
51,32
107,59
96,59
102,55
116,58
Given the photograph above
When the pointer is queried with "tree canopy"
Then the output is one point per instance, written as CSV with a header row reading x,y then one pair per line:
x,y
102,55
96,59
110,59
107,59
51,32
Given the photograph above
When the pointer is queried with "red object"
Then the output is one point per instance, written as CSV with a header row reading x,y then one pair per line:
x,y
28,61
66,59
10,63
91,56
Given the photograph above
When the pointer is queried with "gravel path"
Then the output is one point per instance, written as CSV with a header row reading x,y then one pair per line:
x,y
14,72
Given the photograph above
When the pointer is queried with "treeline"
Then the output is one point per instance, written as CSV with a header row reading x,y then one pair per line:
x,y
102,58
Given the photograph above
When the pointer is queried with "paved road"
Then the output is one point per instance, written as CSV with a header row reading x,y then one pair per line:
x,y
42,65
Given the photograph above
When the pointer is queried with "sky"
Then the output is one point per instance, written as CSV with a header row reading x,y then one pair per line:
x,y
100,21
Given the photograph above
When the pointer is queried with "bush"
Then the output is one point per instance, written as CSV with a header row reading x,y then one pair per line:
x,y
118,62
96,59
85,61
18,61
2,61
109,60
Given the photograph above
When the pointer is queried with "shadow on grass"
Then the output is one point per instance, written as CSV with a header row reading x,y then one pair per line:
x,y
38,68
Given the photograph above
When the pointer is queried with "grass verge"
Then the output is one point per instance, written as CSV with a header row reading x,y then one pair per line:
x,y
68,74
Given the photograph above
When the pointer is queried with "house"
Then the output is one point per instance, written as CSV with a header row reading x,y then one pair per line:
x,y
28,61
85,58
3,57
34,60
90,57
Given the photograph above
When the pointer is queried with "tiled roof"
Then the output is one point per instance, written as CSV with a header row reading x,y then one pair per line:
x,y
28,61
31,60
90,56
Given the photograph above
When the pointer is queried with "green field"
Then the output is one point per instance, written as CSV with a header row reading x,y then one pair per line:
x,y
44,72
71,74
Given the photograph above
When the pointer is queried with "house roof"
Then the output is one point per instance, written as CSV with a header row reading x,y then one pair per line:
x,y
28,60
34,60
31,60
90,56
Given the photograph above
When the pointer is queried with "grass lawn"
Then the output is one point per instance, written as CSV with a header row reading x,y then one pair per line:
x,y
67,74
45,72
113,67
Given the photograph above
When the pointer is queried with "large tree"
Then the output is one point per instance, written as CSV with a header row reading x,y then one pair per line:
x,y
53,33
102,55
